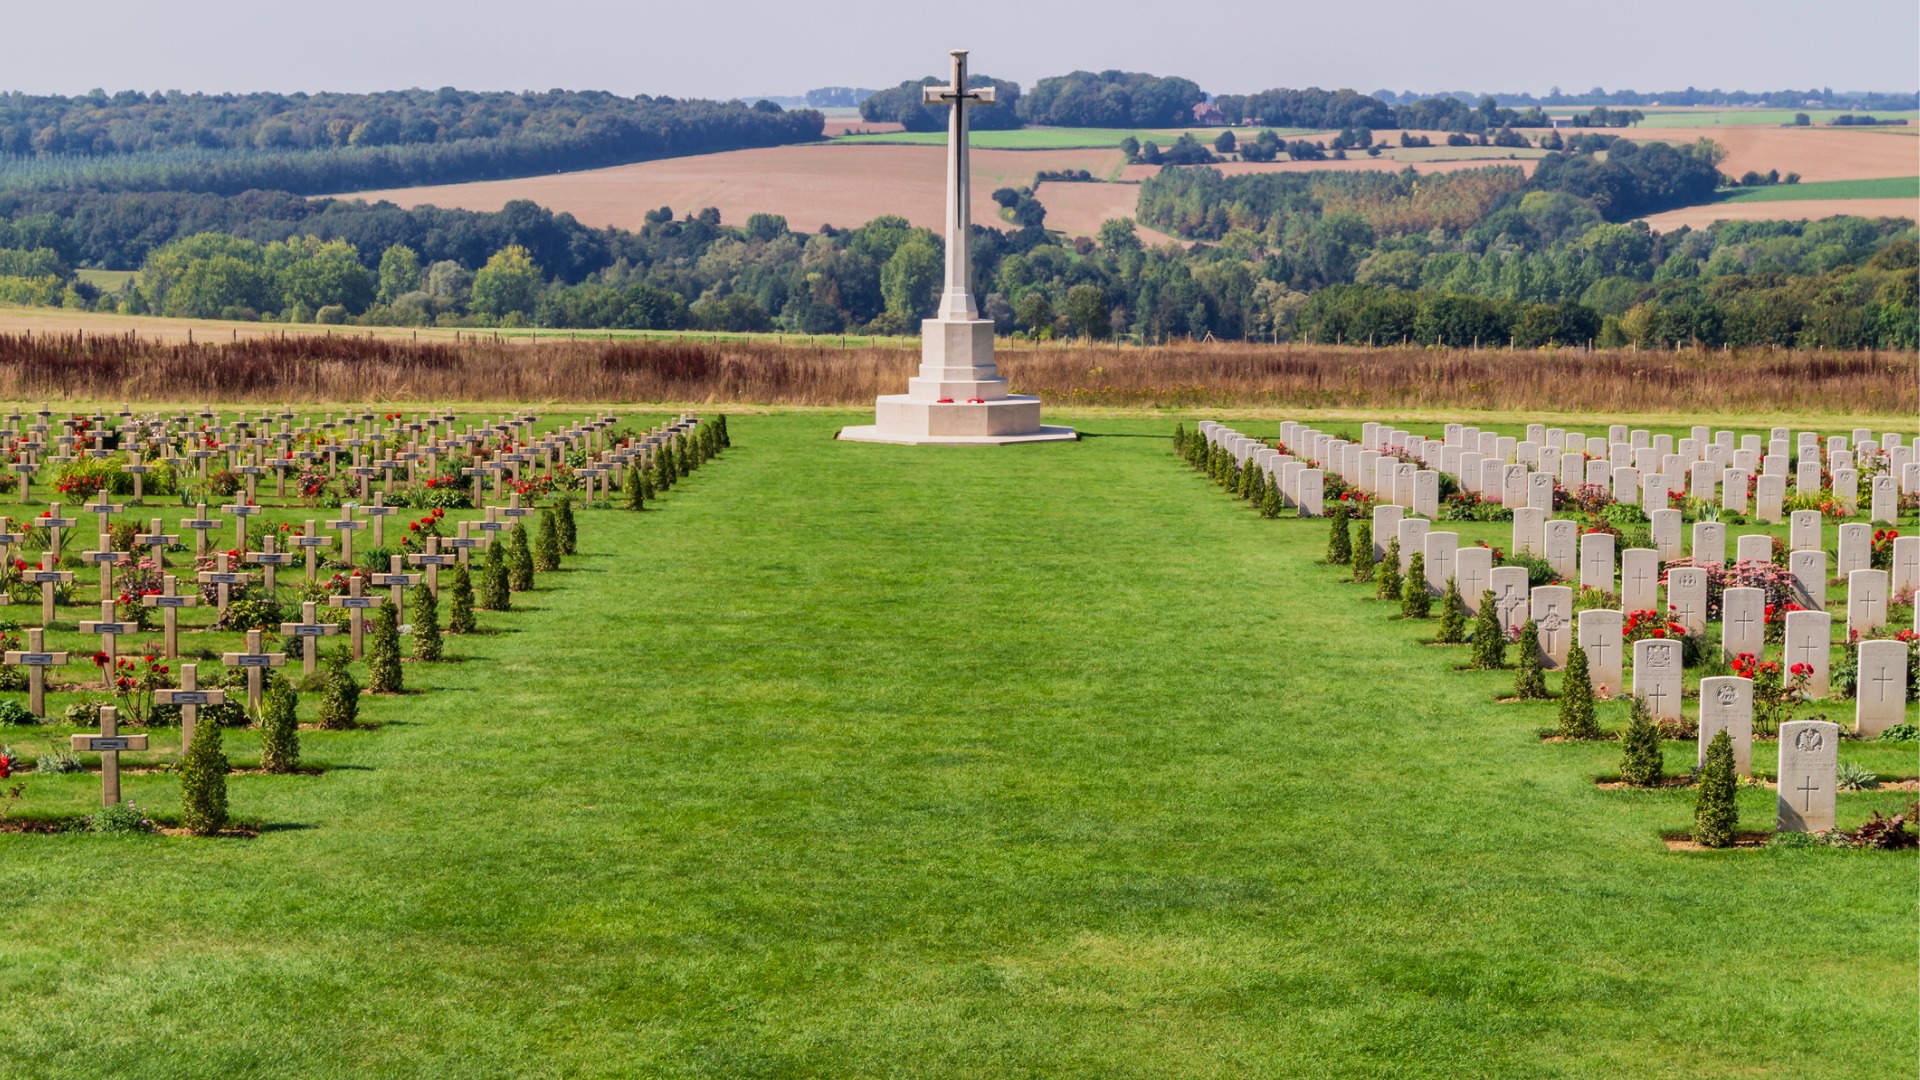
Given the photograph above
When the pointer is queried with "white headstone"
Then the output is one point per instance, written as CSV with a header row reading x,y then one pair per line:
x,y
1553,621
1809,764
1386,526
1510,595
1601,640
1880,690
1413,539
1440,549
1809,641
1639,579
1664,526
1855,549
1529,527
1473,568
1657,676
1560,539
1754,547
1803,530
1687,598
1726,704
1906,566
1743,621
1596,562
1709,543
1866,601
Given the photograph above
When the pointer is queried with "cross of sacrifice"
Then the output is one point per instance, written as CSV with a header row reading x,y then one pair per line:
x,y
54,523
310,629
379,512
312,541
169,601
1808,786
397,579
240,513
103,509
270,560
223,581
433,561
189,698
255,659
108,745
36,659
346,527
49,579
201,525
157,539
109,630
356,605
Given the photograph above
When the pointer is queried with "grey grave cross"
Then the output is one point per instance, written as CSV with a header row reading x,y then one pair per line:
x,y
157,539
223,580
169,601
109,630
54,523
269,560
201,525
104,510
463,543
49,580
255,659
137,468
397,579
312,541
189,698
310,629
36,659
356,605
105,558
240,513
379,512
433,561
346,527
108,745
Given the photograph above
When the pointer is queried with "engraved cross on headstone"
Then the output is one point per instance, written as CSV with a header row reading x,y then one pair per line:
x,y
956,301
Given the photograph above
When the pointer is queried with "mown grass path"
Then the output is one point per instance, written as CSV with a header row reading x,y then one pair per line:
x,y
856,760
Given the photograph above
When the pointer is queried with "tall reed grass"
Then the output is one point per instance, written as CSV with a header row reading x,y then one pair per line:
x,y
1199,375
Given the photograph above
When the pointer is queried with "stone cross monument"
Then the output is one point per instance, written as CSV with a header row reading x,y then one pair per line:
x,y
959,397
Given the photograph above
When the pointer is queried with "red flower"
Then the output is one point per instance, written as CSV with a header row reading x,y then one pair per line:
x,y
100,659
6,766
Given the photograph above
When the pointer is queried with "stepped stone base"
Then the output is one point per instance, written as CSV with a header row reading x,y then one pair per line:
x,y
958,399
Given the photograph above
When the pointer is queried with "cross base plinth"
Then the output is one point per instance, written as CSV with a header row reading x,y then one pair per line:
x,y
958,398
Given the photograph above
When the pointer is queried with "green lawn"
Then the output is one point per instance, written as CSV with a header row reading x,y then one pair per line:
x,y
107,280
861,760
1893,187
1046,138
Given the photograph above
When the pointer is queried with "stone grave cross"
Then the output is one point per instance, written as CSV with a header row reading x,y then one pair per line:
x,y
223,580
109,630
310,629
312,541
189,698
105,558
255,659
36,659
108,745
158,540
49,580
356,605
169,601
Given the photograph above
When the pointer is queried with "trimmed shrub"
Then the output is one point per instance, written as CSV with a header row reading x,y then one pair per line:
x,y
1363,552
636,487
1530,681
1489,637
280,727
519,559
726,439
383,651
1641,763
426,623
1415,601
546,544
203,783
1576,698
460,607
1270,502
1453,616
1339,544
1715,814
1389,576
495,593
340,700
563,517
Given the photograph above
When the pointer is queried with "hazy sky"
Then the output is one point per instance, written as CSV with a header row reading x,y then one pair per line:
x,y
725,48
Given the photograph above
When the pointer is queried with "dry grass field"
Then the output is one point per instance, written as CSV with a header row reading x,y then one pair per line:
x,y
811,185
1814,153
1177,376
1383,163
1079,209
1699,217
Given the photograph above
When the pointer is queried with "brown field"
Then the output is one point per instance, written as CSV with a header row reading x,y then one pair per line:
x,y
1178,376
1700,217
1079,209
1353,164
853,125
812,185
1814,153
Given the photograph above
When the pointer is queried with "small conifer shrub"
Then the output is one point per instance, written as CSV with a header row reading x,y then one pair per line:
x,y
203,783
495,589
1453,616
426,623
519,559
1715,814
1576,698
1641,763
1489,637
1415,601
1389,575
383,651
1339,543
1530,681
460,618
340,699
546,544
280,727
1363,552
563,517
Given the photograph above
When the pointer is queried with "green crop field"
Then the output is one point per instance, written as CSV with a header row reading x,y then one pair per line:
x,y
107,280
1046,138
1686,118
855,760
1893,187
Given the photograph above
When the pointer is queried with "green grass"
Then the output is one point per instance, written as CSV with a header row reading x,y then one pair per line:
x,y
861,760
107,280
1892,187
1047,138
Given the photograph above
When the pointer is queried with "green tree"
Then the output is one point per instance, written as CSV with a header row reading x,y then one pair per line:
x,y
460,618
1415,601
203,783
399,272
519,559
508,285
426,623
320,274
383,651
1363,552
546,543
340,696
1576,698
1530,680
1489,637
1088,311
1453,615
1641,761
909,279
280,726
1270,501
1715,812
